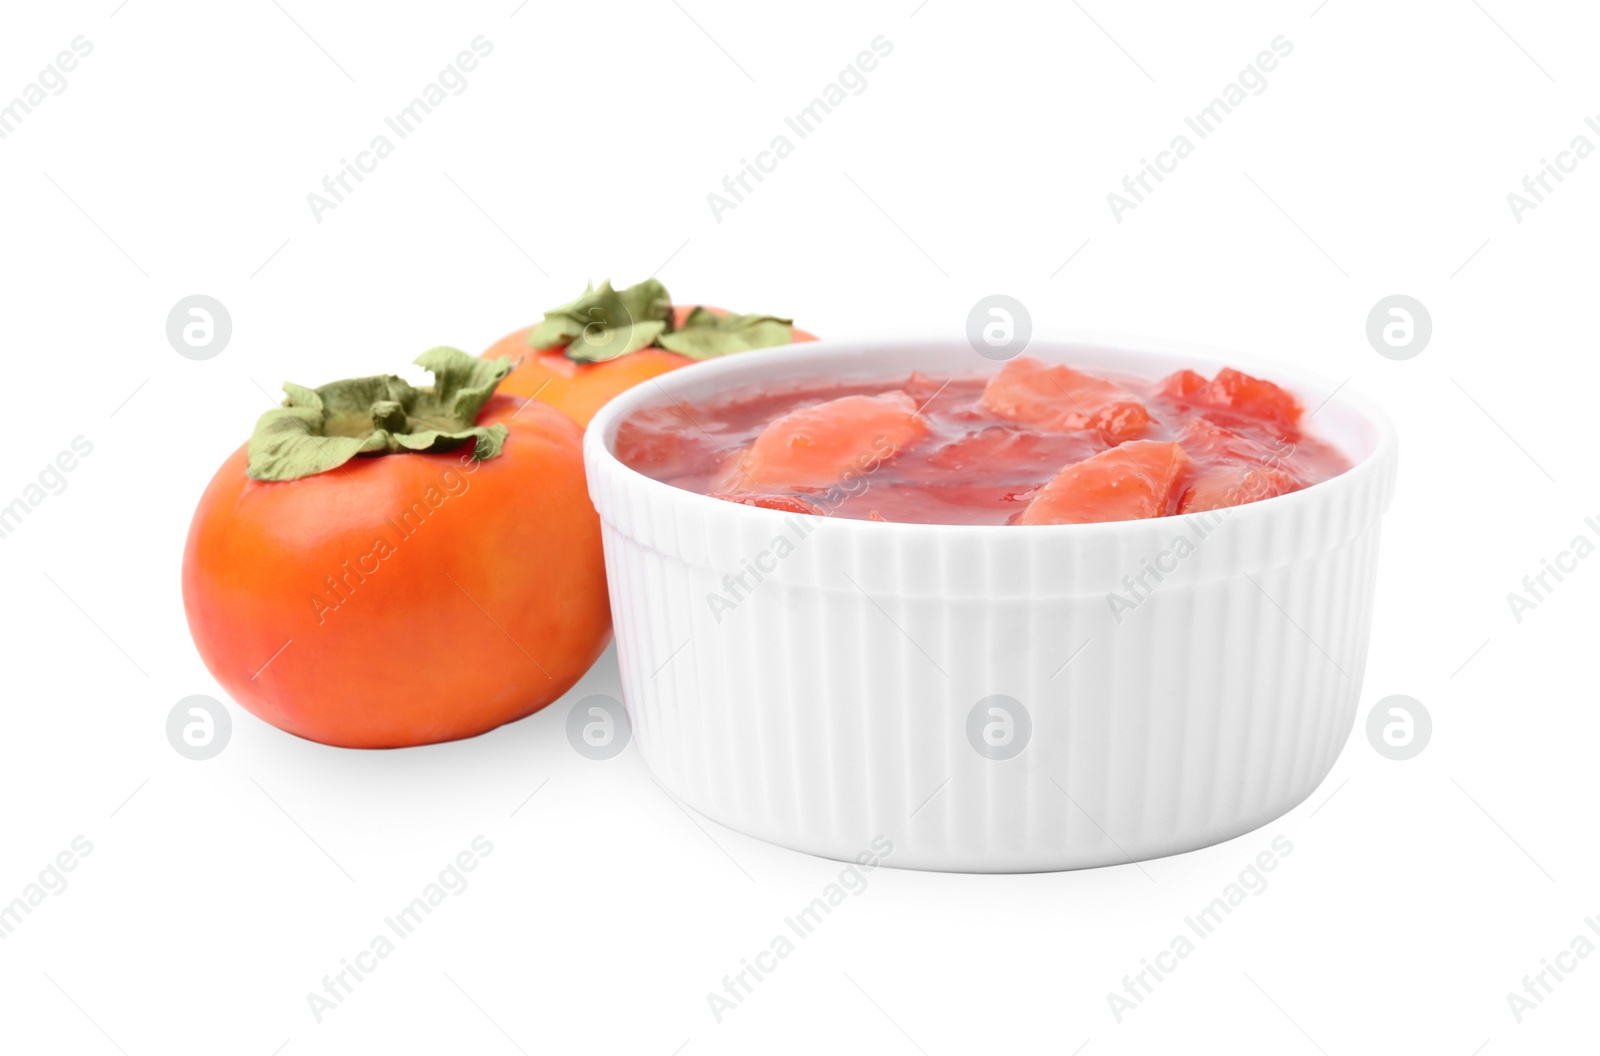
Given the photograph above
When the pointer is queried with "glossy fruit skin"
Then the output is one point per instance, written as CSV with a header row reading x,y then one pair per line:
x,y
579,390
403,599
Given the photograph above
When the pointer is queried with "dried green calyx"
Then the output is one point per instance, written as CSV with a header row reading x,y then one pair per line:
x,y
604,324
323,428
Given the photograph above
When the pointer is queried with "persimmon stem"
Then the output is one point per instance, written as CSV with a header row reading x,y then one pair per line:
x,y
323,428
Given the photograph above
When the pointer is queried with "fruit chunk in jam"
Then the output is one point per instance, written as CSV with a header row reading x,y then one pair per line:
x,y
819,446
1236,392
1054,396
1138,479
1233,469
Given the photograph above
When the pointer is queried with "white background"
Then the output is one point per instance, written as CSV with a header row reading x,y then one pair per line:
x,y
978,160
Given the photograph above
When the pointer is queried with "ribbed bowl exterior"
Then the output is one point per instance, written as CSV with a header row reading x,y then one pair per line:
x,y
828,698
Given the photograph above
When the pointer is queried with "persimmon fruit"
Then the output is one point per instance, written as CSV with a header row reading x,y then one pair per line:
x,y
408,598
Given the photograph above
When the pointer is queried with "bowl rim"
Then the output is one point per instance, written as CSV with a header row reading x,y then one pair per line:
x,y
783,360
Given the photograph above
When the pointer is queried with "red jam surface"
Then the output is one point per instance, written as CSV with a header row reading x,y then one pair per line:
x,y
1036,443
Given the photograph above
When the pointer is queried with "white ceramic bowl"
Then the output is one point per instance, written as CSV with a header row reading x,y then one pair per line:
x,y
881,678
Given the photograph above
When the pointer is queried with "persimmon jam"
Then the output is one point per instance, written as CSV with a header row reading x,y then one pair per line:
x,y
1035,443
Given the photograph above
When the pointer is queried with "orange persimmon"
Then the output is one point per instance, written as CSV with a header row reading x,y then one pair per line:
x,y
429,593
